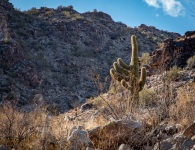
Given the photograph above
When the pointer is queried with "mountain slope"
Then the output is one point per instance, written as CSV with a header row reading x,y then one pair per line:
x,y
51,56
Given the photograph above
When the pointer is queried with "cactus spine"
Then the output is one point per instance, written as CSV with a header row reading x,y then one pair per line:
x,y
128,75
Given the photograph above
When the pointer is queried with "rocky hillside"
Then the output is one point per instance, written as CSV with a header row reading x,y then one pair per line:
x,y
173,52
52,56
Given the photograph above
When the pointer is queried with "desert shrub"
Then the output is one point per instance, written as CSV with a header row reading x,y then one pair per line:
x,y
33,11
76,17
145,59
191,62
31,130
113,36
174,73
183,111
70,8
16,129
6,40
148,97
49,13
65,13
4,65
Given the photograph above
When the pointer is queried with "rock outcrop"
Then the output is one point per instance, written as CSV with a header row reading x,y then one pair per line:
x,y
173,52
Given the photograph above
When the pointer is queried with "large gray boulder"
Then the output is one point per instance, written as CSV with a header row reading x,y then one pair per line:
x,y
78,138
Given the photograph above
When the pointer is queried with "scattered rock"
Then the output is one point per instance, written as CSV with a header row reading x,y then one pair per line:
x,y
124,147
184,143
2,147
85,107
171,130
190,131
177,142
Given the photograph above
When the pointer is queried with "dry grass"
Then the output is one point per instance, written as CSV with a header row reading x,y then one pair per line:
x,y
184,109
38,130
17,129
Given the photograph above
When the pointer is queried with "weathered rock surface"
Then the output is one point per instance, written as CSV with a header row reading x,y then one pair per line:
x,y
78,138
86,106
173,52
124,147
190,131
177,142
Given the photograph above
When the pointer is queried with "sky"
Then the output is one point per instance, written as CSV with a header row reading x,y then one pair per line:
x,y
168,15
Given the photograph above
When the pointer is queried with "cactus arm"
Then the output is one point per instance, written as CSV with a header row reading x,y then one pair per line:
x,y
120,70
125,85
142,78
117,76
122,64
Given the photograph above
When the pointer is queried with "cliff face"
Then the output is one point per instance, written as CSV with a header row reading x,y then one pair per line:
x,y
174,52
52,56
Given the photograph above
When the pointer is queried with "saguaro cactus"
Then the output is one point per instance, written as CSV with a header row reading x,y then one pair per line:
x,y
128,75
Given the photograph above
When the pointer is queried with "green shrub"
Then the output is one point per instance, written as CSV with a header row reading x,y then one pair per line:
x,y
145,59
33,11
76,17
147,97
6,40
191,62
65,13
174,73
49,13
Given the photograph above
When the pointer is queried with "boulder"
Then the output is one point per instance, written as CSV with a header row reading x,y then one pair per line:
x,y
190,131
78,138
124,147
115,133
85,107
171,130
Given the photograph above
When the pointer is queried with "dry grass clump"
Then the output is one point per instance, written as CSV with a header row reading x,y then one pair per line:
x,y
183,110
145,59
191,62
174,73
18,130
31,130
148,97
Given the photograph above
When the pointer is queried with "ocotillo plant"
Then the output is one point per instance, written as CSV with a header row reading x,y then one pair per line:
x,y
128,75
